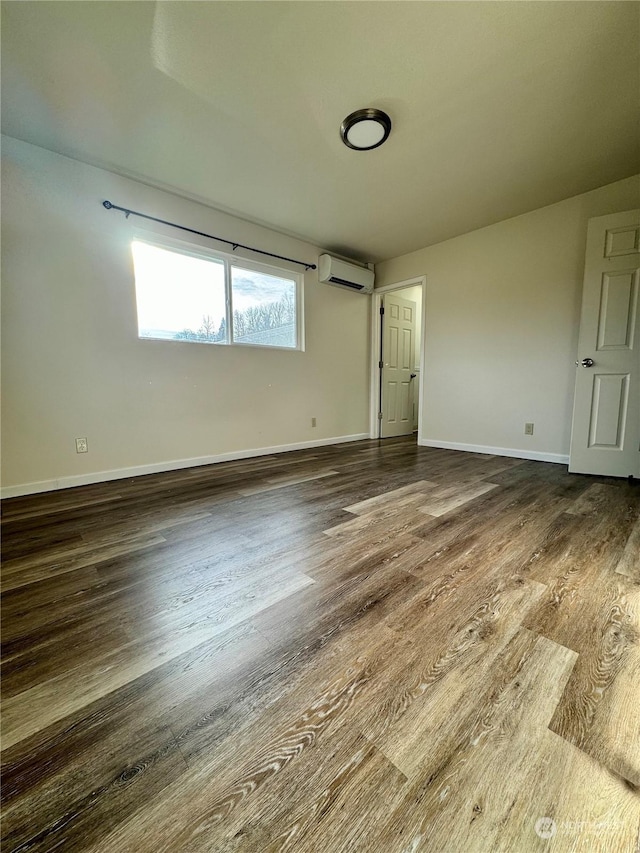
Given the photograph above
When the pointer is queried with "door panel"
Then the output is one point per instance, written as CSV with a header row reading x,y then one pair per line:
x,y
407,349
622,241
605,435
392,401
398,358
392,348
609,401
619,295
406,409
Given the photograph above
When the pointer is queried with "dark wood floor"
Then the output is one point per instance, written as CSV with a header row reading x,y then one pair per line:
x,y
372,647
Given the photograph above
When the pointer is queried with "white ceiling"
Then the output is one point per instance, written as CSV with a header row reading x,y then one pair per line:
x,y
497,107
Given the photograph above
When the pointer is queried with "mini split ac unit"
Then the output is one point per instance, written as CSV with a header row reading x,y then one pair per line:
x,y
344,274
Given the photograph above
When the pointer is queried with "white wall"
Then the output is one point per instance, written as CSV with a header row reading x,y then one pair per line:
x,y
73,364
503,307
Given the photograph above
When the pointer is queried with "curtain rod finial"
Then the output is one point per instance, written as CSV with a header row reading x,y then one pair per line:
x,y
107,204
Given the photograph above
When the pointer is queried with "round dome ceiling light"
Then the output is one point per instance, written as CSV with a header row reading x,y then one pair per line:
x,y
365,129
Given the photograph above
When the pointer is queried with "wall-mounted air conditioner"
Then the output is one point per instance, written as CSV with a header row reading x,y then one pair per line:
x,y
343,274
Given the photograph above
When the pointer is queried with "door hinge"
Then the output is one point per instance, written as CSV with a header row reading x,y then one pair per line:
x,y
381,364
379,416
382,309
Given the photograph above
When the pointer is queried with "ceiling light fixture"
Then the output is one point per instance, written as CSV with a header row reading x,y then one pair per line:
x,y
365,129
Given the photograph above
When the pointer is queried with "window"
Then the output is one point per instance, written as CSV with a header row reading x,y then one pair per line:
x,y
214,299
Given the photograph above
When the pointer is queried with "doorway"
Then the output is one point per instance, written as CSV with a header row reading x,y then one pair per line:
x,y
397,358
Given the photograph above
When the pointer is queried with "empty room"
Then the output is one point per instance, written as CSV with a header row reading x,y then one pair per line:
x,y
320,426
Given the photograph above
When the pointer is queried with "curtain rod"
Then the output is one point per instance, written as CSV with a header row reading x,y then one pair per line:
x,y
109,206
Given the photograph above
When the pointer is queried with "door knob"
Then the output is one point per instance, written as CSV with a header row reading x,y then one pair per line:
x,y
413,376
586,362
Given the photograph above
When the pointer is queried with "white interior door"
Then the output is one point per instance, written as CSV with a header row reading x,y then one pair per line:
x,y
398,359
605,436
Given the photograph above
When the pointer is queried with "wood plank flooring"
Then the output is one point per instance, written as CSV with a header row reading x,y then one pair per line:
x,y
373,647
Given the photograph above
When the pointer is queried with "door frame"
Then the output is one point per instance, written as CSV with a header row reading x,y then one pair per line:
x,y
374,388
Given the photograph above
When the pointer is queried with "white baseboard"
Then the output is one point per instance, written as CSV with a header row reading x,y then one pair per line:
x,y
172,465
535,455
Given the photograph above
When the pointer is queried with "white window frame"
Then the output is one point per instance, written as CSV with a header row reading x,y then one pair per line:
x,y
229,260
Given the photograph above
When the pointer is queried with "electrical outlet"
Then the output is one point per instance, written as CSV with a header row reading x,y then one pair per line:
x,y
81,445
313,422
528,429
